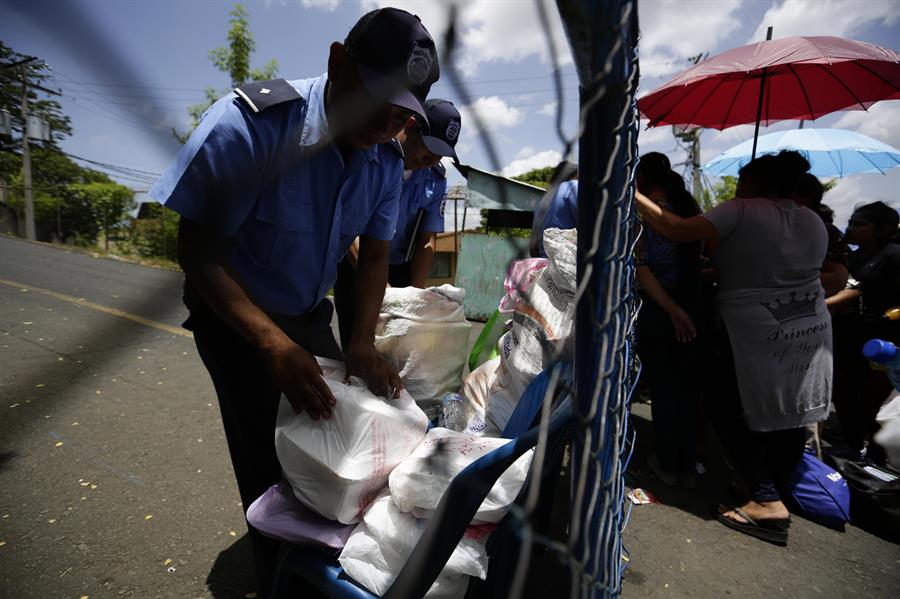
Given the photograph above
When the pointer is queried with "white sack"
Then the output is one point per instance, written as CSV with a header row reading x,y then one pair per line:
x,y
380,545
424,332
420,480
337,466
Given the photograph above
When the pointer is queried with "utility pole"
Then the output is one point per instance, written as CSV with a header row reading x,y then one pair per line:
x,y
30,233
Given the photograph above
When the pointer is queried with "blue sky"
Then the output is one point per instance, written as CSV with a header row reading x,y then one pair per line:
x,y
129,68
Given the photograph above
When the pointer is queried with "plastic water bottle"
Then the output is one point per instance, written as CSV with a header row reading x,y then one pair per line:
x,y
886,354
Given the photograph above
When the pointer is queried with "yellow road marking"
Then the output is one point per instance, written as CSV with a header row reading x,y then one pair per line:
x,y
101,308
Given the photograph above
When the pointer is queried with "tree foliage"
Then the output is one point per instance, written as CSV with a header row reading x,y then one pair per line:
x,y
107,202
539,177
233,60
37,74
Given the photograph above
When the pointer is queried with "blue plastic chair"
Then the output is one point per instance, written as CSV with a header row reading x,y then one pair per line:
x,y
454,513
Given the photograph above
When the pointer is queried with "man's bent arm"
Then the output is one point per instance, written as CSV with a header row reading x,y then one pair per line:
x,y
423,258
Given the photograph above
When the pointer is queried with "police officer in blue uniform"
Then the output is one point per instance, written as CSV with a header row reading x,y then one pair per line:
x,y
272,187
420,216
558,210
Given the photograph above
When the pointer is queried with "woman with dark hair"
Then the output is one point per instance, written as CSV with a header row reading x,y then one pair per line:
x,y
768,258
668,276
859,311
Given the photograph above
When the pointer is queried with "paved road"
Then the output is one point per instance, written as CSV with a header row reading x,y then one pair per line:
x,y
116,482
114,469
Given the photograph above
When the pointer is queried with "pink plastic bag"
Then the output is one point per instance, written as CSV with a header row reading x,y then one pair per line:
x,y
519,278
280,515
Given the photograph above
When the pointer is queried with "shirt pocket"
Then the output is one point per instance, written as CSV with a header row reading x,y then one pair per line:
x,y
280,231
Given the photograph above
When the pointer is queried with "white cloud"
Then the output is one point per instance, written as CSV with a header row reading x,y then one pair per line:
x,y
548,109
851,192
325,5
539,160
824,17
525,152
489,31
880,121
673,30
493,113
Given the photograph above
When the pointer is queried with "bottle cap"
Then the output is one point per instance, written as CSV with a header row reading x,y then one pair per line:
x,y
879,351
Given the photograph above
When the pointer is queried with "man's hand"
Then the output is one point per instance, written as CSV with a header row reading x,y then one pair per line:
x,y
298,376
364,361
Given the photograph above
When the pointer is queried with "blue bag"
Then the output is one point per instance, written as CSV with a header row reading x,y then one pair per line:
x,y
820,493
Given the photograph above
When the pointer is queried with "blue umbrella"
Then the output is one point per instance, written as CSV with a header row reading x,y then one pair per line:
x,y
831,152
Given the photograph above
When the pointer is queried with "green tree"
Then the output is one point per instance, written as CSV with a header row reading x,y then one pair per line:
x,y
108,203
14,67
233,60
539,177
722,190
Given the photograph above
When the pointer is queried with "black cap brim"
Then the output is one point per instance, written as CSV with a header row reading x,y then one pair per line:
x,y
438,146
390,90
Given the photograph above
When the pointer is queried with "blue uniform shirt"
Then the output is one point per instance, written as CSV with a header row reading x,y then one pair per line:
x,y
425,189
561,212
275,183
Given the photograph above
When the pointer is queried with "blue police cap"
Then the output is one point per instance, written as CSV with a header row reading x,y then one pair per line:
x,y
442,130
396,57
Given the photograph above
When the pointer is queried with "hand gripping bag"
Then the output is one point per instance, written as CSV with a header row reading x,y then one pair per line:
x,y
337,466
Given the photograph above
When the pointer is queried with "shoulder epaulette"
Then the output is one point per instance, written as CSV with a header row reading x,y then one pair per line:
x,y
263,94
440,169
395,145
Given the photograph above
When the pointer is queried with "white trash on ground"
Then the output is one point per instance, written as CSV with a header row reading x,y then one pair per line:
x,y
420,480
337,466
380,545
424,332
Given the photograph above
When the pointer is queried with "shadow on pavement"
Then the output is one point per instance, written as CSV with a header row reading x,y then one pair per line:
x,y
231,576
6,457
712,487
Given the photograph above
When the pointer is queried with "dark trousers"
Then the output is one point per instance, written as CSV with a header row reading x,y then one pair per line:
x,y
859,390
669,369
765,460
248,400
399,275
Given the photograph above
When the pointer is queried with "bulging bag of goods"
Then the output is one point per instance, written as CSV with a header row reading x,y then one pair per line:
x,y
424,332
542,330
419,482
337,466
380,545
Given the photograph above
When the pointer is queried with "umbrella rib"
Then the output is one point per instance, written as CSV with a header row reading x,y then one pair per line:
x,y
842,84
802,89
869,160
690,89
874,74
706,99
733,101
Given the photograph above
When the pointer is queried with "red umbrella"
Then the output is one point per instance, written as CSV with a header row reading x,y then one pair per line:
x,y
804,78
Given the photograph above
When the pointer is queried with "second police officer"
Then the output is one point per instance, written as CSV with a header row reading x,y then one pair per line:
x,y
420,217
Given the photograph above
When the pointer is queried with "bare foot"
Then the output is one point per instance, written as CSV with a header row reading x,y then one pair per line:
x,y
768,510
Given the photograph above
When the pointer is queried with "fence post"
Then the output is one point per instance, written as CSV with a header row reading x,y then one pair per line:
x,y
606,40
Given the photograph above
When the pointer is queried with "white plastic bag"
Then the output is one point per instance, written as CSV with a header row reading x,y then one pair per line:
x,y
337,466
420,480
380,545
541,332
424,332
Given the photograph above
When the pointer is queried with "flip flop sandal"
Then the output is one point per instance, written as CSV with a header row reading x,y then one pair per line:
x,y
773,530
